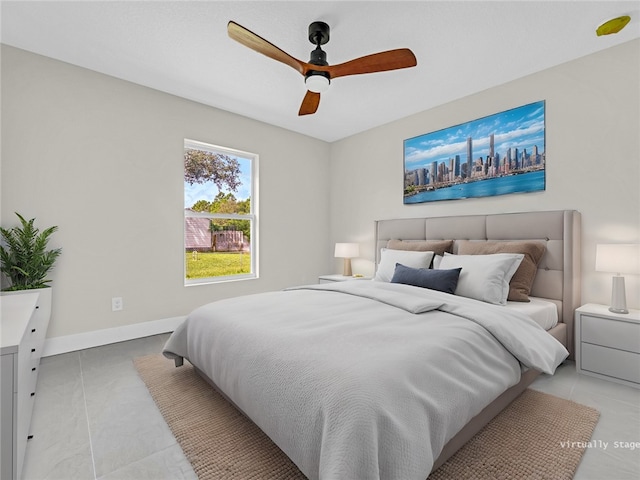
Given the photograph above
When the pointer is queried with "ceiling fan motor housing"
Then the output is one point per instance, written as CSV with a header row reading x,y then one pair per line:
x,y
318,57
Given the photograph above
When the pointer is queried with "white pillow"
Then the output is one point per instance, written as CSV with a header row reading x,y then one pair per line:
x,y
408,258
484,277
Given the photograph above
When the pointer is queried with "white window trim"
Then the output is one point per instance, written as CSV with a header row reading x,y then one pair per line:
x,y
252,216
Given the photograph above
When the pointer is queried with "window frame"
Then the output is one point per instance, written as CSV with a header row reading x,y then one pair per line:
x,y
252,216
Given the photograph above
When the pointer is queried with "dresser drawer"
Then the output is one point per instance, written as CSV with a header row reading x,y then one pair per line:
x,y
610,333
611,362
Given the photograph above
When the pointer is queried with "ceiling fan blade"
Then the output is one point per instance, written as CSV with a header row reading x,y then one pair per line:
x,y
377,62
309,103
260,45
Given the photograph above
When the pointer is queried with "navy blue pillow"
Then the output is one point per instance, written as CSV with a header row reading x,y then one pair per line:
x,y
442,280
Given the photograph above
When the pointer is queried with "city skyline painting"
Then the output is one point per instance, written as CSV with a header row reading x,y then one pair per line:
x,y
498,154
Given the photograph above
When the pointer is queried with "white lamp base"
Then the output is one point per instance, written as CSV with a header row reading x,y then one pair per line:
x,y
618,296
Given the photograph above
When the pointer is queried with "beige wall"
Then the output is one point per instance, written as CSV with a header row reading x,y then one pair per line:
x,y
592,151
102,159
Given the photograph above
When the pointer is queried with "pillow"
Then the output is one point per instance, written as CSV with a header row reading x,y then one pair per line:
x,y
441,280
389,258
436,246
522,280
484,277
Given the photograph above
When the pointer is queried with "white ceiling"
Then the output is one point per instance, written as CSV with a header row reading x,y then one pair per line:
x,y
182,47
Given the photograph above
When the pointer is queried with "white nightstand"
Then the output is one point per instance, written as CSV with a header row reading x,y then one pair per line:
x,y
338,278
608,344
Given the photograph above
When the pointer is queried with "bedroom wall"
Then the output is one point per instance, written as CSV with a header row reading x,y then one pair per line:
x,y
102,159
593,161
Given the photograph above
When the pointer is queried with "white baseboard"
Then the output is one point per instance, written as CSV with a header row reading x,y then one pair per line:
x,y
80,341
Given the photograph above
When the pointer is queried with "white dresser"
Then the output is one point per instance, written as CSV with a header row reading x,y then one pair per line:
x,y
23,326
608,344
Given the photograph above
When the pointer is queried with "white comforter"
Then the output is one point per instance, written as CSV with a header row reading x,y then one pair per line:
x,y
362,380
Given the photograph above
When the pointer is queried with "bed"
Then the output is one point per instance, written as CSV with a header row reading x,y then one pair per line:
x,y
387,379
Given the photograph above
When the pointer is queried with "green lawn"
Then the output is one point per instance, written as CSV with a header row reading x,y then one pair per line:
x,y
217,264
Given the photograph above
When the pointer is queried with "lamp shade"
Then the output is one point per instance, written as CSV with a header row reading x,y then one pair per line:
x,y
347,250
618,258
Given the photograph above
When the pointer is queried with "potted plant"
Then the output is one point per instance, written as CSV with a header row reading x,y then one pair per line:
x,y
26,260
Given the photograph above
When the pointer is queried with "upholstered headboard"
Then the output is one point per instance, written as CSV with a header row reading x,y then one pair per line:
x,y
558,276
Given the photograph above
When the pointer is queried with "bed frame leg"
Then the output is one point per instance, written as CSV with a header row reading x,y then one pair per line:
x,y
179,361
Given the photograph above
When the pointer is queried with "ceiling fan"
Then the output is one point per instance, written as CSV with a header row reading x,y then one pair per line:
x,y
317,72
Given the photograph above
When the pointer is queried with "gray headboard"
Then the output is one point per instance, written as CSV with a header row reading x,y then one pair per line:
x,y
558,277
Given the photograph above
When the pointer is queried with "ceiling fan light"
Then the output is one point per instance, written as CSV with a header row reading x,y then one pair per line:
x,y
317,83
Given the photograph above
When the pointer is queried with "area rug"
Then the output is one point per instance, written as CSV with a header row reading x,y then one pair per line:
x,y
538,436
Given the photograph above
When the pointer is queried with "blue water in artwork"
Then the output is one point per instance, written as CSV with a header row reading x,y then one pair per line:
x,y
524,182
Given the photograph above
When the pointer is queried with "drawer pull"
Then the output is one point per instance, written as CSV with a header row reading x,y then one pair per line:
x,y
33,350
29,437
33,369
33,330
33,394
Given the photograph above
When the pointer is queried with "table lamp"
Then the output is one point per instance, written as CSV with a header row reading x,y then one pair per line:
x,y
347,251
618,258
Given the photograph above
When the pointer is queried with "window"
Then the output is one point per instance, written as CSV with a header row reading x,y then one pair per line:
x,y
220,214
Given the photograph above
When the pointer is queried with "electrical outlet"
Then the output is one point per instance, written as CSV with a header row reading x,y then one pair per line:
x,y
116,304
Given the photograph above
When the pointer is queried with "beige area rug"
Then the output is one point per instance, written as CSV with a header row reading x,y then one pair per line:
x,y
526,440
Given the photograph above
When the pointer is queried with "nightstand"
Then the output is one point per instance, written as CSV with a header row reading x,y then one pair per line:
x,y
338,278
608,344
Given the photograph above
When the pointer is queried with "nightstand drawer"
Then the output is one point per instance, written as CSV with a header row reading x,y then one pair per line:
x,y
611,362
611,333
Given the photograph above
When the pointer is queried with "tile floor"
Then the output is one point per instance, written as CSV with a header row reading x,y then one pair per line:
x,y
94,419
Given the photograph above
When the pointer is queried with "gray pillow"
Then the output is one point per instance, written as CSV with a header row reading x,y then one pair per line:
x,y
441,280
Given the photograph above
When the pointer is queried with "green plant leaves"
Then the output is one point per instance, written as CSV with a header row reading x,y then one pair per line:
x,y
26,260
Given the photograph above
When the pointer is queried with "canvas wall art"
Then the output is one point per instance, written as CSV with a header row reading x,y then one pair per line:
x,y
498,154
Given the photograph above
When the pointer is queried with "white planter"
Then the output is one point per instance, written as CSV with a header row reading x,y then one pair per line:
x,y
44,301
